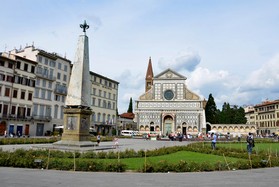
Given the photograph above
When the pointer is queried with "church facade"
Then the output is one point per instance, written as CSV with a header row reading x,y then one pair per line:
x,y
168,106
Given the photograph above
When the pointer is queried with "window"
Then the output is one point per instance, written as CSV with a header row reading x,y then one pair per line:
x,y
99,102
10,65
48,94
15,94
28,112
0,108
35,110
22,95
43,94
105,94
109,95
49,84
55,111
32,69
104,104
52,63
65,67
63,98
93,101
44,83
2,63
40,59
10,78
13,110
61,112
2,77
65,78
104,118
25,67
7,92
51,73
100,93
94,91
38,82
18,64
58,76
24,81
30,94
57,97
59,65
36,92
45,73
100,81
46,61
99,117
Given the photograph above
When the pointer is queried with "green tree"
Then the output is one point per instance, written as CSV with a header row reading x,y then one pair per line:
x,y
130,109
239,116
225,116
211,110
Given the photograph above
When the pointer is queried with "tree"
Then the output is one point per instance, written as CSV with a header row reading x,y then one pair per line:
x,y
211,110
130,109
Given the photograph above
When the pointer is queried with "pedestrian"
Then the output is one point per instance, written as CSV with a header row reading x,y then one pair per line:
x,y
250,143
98,139
213,141
5,134
115,140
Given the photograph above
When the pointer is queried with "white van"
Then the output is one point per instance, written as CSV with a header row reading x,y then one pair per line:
x,y
128,133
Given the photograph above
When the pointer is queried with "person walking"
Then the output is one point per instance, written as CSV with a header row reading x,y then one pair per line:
x,y
250,143
98,139
213,141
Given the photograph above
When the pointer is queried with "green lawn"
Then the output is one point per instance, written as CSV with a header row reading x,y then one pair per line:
x,y
274,147
136,163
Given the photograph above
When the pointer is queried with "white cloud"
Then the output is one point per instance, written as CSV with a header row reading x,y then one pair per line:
x,y
183,61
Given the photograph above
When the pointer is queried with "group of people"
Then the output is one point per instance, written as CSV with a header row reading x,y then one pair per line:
x,y
249,140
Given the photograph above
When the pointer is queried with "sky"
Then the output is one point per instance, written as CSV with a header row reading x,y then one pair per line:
x,y
229,49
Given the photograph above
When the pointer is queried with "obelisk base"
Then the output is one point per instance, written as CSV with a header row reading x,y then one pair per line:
x,y
76,128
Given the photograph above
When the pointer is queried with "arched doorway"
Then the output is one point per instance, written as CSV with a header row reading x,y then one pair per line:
x,y
167,125
184,128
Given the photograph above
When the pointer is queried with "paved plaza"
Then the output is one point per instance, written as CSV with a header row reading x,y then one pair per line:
x,y
17,177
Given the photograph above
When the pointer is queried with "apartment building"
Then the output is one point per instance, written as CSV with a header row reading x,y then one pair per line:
x,y
33,89
266,117
17,87
104,103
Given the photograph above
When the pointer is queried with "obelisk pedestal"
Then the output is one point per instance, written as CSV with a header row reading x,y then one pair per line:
x,y
77,111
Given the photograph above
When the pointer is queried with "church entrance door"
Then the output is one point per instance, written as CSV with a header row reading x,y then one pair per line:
x,y
168,125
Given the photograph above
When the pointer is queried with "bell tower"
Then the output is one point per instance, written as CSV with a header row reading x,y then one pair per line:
x,y
149,76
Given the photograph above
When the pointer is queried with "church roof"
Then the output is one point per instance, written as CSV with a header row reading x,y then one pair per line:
x,y
170,74
127,115
149,72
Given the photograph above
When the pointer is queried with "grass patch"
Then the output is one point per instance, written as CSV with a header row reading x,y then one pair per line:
x,y
265,147
136,163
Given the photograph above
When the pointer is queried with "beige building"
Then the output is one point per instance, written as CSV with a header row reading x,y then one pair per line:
x,y
265,116
104,97
168,105
52,78
17,87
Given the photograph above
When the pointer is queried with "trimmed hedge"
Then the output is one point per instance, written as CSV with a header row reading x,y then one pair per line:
x,y
88,161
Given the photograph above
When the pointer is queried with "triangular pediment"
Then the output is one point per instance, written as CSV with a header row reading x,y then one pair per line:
x,y
169,74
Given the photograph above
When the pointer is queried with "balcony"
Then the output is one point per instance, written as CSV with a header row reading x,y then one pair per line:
x,y
46,76
61,89
42,118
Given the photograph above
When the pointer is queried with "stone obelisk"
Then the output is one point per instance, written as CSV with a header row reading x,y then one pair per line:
x,y
77,111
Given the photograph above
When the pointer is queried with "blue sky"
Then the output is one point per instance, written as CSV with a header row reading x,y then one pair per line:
x,y
228,48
